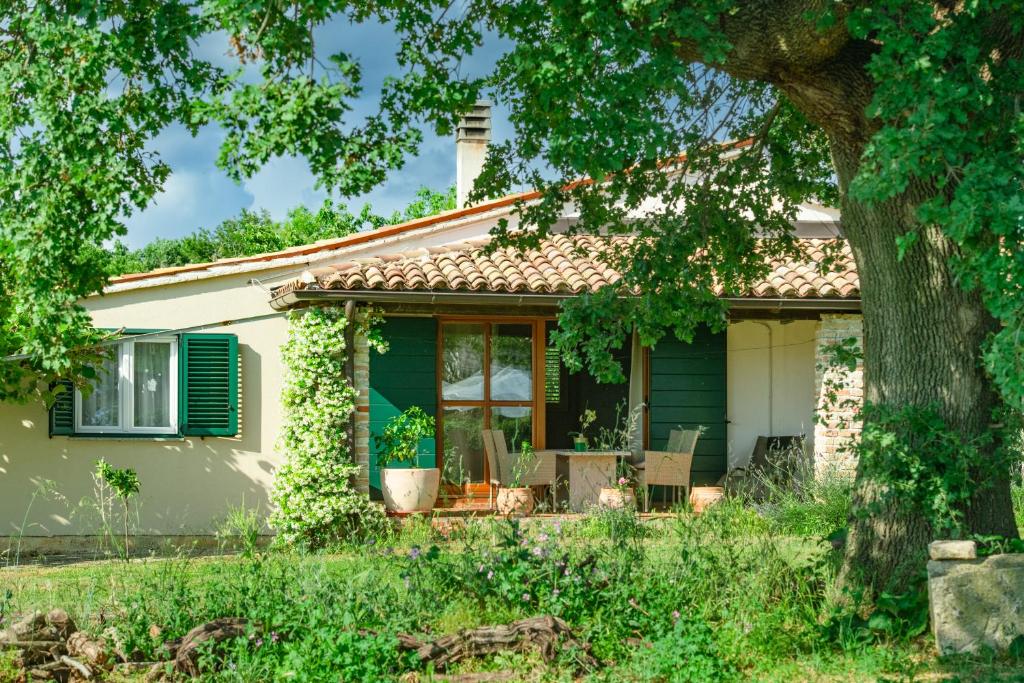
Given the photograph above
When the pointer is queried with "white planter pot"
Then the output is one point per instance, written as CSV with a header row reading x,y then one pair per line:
x,y
614,499
517,502
413,489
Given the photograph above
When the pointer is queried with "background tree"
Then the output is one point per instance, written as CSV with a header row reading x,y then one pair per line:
x,y
907,111
254,232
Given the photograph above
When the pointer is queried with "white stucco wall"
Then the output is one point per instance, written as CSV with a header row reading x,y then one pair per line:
x,y
187,484
788,388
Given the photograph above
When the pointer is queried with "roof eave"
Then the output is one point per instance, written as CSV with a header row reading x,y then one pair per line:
x,y
297,297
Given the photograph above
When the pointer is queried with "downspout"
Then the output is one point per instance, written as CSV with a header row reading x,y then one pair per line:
x,y
771,377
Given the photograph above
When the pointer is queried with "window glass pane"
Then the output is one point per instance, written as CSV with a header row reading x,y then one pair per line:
x,y
512,362
152,384
462,362
100,408
463,444
516,422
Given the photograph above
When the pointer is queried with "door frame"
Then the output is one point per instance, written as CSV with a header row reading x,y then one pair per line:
x,y
536,405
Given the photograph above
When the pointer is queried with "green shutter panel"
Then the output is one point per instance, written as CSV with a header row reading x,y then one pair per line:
x,y
208,395
405,376
62,412
688,390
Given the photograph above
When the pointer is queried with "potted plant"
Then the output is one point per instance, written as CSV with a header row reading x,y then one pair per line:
x,y
619,494
406,489
579,439
515,499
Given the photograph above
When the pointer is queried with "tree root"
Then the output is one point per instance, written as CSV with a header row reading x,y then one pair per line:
x,y
550,635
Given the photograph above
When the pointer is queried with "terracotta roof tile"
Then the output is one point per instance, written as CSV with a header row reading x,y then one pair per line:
x,y
561,265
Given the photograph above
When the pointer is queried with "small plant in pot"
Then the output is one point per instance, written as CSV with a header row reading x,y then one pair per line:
x,y
579,439
516,500
406,488
619,494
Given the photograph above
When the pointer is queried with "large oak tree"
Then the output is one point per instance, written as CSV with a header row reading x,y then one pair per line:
x,y
907,113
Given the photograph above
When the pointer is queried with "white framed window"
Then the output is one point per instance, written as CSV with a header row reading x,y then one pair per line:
x,y
136,390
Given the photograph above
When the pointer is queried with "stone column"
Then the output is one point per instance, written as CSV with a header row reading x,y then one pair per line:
x,y
835,429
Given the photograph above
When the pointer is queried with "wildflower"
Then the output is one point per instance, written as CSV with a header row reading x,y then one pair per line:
x,y
568,571
490,575
555,592
543,538
526,597
414,553
480,570
274,637
557,527
259,642
623,481
675,615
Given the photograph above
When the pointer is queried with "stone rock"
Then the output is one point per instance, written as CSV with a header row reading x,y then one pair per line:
x,y
976,604
953,550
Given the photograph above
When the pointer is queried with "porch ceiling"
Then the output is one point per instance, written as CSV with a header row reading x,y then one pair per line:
x,y
561,266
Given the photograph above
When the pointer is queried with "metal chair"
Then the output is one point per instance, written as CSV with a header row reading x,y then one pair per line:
x,y
670,467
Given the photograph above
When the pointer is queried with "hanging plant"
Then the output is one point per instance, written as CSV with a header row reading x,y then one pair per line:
x,y
315,501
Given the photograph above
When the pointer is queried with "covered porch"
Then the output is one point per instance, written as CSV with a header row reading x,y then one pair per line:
x,y
499,372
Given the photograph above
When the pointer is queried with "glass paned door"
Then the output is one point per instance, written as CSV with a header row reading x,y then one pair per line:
x,y
487,377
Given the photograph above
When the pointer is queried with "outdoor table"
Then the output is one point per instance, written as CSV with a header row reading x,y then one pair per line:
x,y
585,473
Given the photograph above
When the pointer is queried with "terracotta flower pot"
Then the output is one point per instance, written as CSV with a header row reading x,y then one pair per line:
x,y
616,499
515,502
702,497
413,489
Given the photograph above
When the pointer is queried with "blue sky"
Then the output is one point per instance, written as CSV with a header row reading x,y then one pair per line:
x,y
198,194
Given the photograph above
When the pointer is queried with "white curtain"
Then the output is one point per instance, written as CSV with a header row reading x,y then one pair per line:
x,y
636,397
152,384
100,408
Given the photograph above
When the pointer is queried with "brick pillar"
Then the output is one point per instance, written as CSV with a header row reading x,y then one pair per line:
x,y
361,383
835,431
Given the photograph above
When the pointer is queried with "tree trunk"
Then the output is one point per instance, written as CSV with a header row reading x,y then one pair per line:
x,y
922,344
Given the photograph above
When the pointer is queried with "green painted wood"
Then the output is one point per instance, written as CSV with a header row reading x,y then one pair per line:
x,y
62,412
208,385
404,376
688,390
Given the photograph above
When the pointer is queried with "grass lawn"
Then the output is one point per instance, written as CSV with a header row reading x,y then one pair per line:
x,y
729,595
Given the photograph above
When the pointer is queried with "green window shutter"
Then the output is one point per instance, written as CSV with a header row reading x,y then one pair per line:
x,y
62,412
552,375
688,390
208,384
403,377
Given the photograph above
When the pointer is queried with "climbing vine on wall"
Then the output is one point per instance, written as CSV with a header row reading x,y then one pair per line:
x,y
315,501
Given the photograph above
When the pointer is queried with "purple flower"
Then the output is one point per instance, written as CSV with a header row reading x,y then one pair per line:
x,y
414,553
259,642
675,615
274,637
543,538
623,481
526,597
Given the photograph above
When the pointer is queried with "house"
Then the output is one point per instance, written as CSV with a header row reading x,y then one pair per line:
x,y
195,405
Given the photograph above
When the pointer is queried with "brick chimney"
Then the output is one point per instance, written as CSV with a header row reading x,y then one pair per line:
x,y
471,138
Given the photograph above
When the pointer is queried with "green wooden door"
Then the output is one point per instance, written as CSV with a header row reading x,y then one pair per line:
x,y
688,390
404,376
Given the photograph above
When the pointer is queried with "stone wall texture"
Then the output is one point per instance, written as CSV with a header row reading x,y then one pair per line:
x,y
976,604
835,429
361,383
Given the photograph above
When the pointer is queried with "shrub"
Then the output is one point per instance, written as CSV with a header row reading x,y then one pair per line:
x,y
315,501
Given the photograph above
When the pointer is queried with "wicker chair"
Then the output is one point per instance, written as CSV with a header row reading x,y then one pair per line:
x,y
493,464
542,473
670,467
